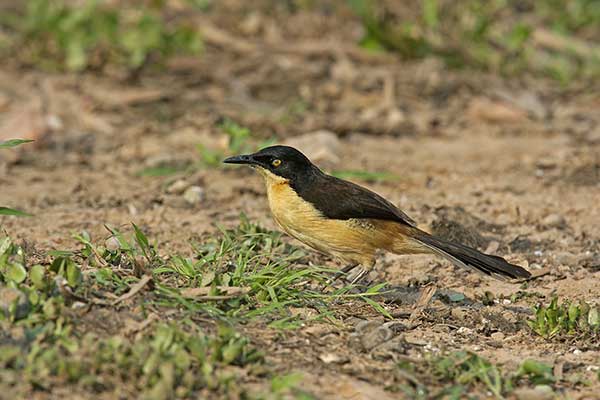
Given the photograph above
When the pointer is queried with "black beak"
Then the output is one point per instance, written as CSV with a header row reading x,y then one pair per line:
x,y
242,159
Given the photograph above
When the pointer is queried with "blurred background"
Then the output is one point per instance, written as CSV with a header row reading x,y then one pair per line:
x,y
407,95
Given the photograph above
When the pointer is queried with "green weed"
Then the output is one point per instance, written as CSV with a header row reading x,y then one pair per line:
x,y
466,368
35,290
167,362
252,273
544,37
13,143
565,319
54,34
462,373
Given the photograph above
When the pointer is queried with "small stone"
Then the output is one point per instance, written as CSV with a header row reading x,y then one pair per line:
x,y
112,244
554,221
178,187
540,392
566,258
394,118
499,336
491,111
510,317
132,209
593,136
344,71
10,296
458,313
492,247
194,195
331,358
365,325
463,330
320,146
375,337
252,24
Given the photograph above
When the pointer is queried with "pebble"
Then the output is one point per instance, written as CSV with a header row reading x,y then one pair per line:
x,y
194,195
499,336
178,187
554,221
566,258
112,244
331,358
458,313
8,297
463,330
365,325
594,135
321,146
375,337
540,392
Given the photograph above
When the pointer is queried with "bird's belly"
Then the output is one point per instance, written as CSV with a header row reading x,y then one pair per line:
x,y
344,239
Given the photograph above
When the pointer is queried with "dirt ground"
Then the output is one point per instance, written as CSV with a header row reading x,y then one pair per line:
x,y
515,161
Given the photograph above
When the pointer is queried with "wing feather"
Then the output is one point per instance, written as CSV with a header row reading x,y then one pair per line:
x,y
339,199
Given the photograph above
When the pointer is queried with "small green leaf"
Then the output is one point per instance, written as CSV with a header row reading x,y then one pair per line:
x,y
16,272
535,368
73,273
456,297
36,274
141,239
11,211
13,143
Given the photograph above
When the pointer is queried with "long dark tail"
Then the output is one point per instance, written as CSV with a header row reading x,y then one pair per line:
x,y
465,256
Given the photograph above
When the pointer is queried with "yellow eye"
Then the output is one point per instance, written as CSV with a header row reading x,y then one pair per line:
x,y
276,162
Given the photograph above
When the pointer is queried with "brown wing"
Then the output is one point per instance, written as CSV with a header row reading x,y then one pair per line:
x,y
339,199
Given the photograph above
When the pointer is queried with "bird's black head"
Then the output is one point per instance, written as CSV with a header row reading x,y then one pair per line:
x,y
283,161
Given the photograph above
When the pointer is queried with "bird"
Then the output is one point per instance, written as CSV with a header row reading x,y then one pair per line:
x,y
349,222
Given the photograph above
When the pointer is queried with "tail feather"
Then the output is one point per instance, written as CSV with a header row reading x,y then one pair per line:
x,y
468,257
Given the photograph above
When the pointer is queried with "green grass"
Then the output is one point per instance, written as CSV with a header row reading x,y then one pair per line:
x,y
57,35
545,37
267,276
243,275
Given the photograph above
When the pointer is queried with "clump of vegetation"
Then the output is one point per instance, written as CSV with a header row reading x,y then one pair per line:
x,y
246,273
54,34
253,273
543,37
462,373
168,361
571,319
464,368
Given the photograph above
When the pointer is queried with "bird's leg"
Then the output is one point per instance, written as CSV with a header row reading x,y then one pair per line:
x,y
359,276
340,273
